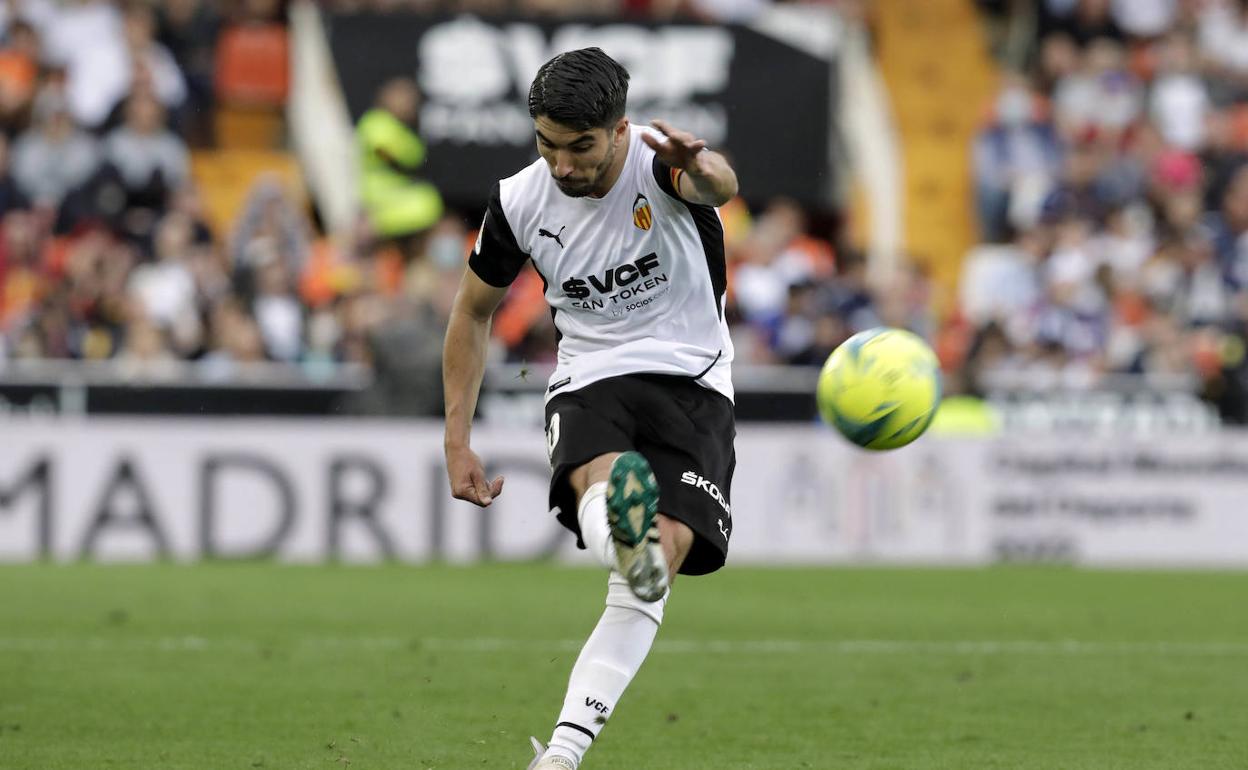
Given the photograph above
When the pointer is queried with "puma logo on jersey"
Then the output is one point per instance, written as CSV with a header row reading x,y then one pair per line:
x,y
618,283
695,479
543,232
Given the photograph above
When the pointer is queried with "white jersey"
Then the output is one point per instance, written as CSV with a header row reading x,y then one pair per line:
x,y
635,279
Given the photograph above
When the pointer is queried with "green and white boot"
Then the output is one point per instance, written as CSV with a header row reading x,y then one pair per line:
x,y
632,513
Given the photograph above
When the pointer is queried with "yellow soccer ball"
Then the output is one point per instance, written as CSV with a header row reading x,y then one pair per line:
x,y
880,388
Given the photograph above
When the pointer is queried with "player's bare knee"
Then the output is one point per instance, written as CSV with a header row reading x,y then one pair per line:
x,y
677,540
597,469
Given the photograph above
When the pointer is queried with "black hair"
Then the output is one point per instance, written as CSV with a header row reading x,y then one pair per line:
x,y
580,89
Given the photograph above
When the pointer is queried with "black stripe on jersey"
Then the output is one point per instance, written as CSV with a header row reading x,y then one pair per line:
x,y
499,259
710,232
709,366
545,285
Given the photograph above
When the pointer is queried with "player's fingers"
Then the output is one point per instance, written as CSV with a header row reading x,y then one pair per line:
x,y
697,145
480,487
496,487
675,135
464,491
651,140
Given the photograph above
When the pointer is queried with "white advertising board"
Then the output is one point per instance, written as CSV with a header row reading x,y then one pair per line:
x,y
362,491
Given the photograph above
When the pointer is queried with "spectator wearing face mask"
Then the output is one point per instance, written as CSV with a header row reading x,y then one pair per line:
x,y
1019,146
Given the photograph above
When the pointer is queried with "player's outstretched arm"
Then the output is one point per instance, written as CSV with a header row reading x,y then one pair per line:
x,y
707,177
463,366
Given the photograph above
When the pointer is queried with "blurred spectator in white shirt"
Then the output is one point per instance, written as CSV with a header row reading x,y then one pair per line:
x,y
1179,104
1144,18
277,309
1126,243
54,157
1000,282
166,288
1070,272
144,151
110,56
770,265
1102,97
1223,35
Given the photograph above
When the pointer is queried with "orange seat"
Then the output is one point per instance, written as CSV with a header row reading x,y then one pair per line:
x,y
253,65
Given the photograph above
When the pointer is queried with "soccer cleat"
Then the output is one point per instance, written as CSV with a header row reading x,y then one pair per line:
x,y
632,511
550,763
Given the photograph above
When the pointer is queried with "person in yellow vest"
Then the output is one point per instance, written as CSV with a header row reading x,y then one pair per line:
x,y
399,203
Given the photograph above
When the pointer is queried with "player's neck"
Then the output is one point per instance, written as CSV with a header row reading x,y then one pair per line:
x,y
613,173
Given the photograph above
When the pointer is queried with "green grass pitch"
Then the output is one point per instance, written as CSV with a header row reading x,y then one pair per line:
x,y
247,666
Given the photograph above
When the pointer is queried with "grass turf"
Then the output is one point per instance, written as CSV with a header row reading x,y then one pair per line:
x,y
262,666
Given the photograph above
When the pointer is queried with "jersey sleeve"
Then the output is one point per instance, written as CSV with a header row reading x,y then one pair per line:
x,y
497,258
667,178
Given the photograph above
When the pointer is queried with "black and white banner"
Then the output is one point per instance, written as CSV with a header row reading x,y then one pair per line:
x,y
765,102
317,490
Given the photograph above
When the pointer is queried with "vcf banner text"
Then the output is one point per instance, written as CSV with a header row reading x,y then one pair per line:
x,y
766,103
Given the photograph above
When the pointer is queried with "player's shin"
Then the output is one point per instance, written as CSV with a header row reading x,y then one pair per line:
x,y
610,659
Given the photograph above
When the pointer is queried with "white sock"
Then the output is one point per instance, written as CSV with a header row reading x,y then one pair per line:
x,y
609,660
592,515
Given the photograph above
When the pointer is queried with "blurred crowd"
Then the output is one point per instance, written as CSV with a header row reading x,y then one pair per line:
x,y
1111,184
106,252
1110,181
105,248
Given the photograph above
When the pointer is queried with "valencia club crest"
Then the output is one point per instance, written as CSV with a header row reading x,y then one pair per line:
x,y
642,216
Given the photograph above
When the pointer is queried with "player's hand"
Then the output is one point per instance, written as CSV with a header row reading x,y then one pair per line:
x,y
467,476
679,150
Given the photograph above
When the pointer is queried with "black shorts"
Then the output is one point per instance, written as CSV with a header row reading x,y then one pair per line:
x,y
685,432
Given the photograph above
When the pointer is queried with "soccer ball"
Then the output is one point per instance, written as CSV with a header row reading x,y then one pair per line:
x,y
880,388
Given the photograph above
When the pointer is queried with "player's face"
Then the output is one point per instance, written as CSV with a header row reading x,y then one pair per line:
x,y
580,161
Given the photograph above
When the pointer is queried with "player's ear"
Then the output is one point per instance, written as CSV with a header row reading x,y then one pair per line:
x,y
620,131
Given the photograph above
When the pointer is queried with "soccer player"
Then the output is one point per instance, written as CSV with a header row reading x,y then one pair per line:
x,y
620,222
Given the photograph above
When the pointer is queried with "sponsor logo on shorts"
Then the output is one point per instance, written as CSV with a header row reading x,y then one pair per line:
x,y
722,529
694,479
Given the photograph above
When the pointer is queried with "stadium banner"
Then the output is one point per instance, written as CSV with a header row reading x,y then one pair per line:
x,y
766,102
366,491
